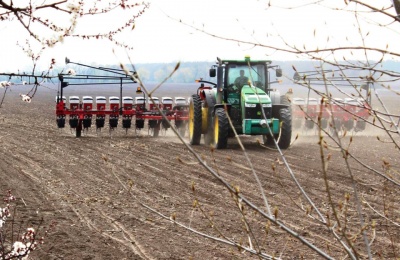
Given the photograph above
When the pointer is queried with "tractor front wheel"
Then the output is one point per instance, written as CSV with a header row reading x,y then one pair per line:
x,y
269,140
221,129
195,120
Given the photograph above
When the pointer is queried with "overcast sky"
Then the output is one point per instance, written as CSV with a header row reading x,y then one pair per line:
x,y
159,38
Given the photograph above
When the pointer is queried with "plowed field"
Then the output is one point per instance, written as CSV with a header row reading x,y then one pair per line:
x,y
95,189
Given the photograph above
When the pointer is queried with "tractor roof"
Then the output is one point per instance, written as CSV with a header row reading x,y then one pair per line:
x,y
246,60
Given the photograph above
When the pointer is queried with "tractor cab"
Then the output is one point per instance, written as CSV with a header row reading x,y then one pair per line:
x,y
235,74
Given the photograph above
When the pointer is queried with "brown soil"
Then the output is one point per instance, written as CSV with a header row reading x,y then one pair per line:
x,y
95,187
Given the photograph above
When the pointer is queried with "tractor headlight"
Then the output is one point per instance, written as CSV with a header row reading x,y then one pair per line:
x,y
249,105
266,105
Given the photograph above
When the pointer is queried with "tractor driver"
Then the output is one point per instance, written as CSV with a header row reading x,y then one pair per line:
x,y
241,80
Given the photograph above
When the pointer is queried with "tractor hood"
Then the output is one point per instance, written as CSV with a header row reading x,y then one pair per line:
x,y
253,95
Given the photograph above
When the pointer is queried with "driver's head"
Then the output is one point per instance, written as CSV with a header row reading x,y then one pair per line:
x,y
241,73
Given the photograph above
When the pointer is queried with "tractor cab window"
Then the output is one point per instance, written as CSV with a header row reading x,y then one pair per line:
x,y
240,75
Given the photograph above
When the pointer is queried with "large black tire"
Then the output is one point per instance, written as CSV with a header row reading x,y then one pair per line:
x,y
268,140
195,120
286,128
209,136
285,122
285,101
221,129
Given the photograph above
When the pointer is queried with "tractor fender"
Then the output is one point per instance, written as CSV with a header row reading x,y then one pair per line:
x,y
208,99
209,96
275,97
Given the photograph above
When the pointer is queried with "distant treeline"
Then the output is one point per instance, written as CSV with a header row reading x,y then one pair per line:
x,y
188,72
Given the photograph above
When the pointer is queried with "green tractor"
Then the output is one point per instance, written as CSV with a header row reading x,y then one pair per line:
x,y
241,97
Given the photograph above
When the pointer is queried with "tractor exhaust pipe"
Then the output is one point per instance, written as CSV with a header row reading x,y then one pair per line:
x,y
220,82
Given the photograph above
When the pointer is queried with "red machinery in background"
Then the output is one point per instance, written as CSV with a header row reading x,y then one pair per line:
x,y
348,113
344,113
81,112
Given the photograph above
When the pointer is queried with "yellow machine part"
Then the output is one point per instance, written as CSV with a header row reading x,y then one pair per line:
x,y
191,118
204,117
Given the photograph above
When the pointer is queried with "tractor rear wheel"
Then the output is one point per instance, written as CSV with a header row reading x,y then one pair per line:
x,y
221,129
285,101
285,122
286,128
195,120
209,136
